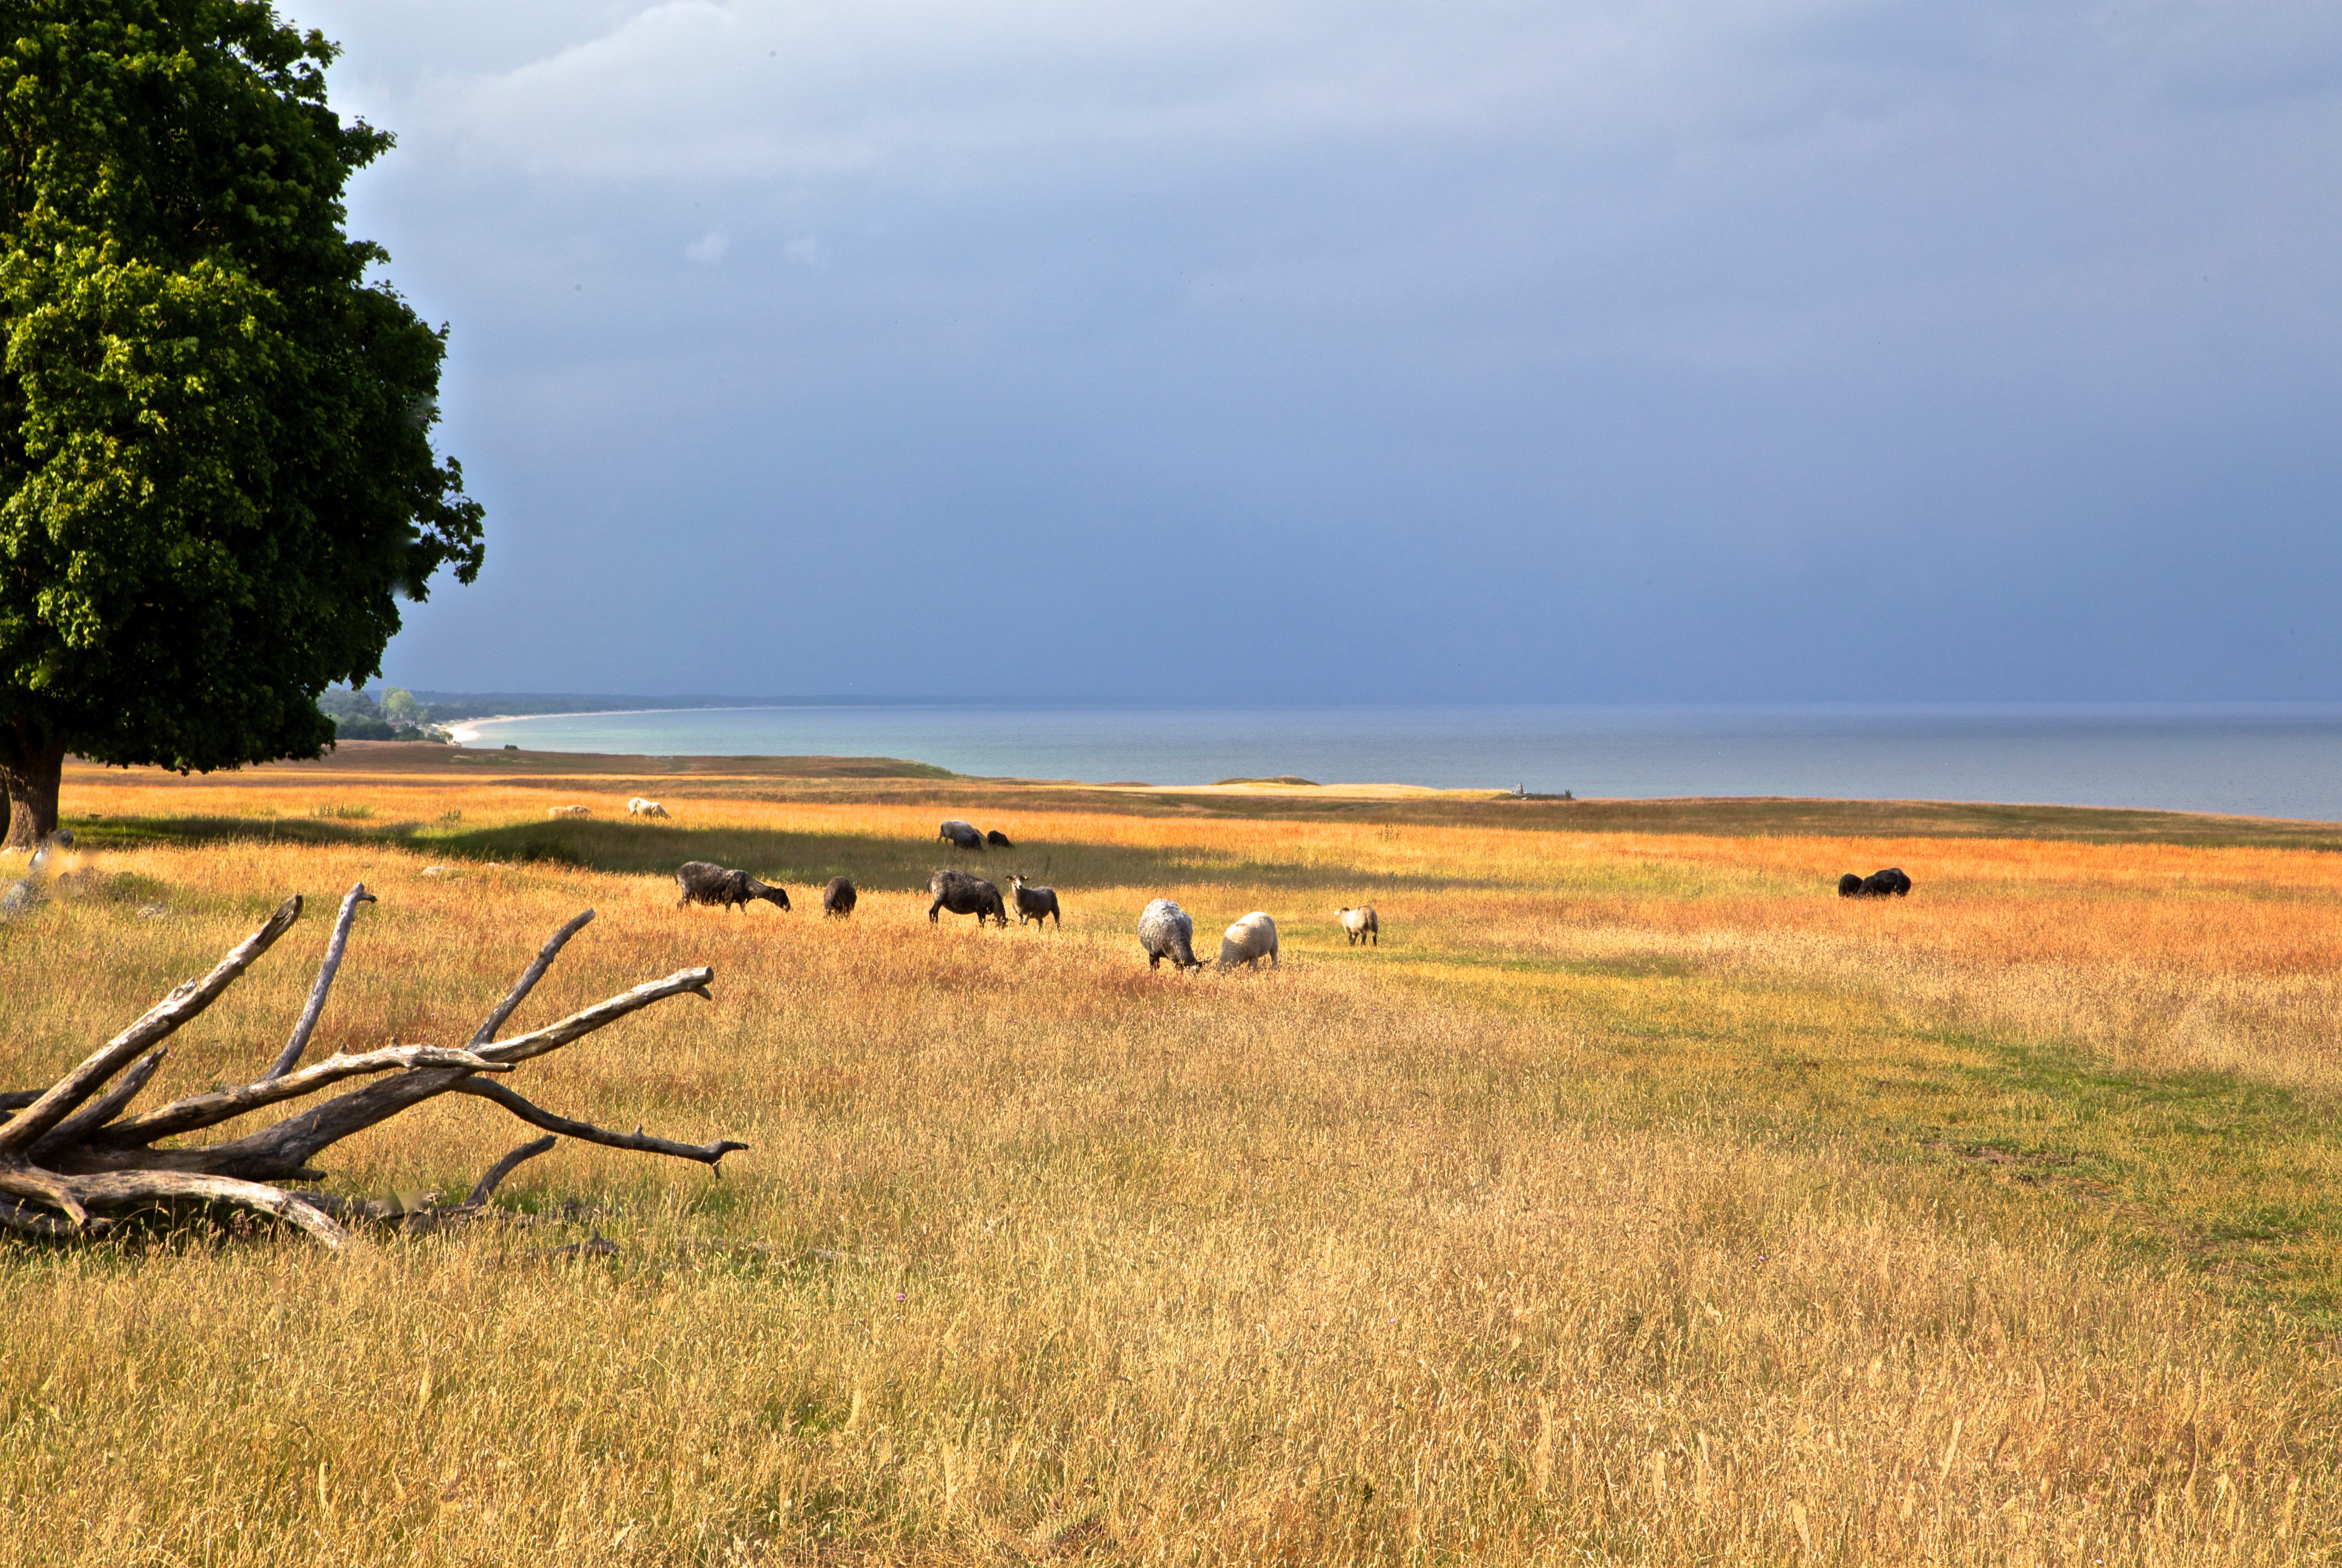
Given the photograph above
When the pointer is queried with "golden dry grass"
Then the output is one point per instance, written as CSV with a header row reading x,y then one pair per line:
x,y
1635,1201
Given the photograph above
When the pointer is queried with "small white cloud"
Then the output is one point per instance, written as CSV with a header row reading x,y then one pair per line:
x,y
807,251
708,247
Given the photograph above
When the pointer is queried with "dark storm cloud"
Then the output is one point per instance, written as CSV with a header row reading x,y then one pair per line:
x,y
1702,351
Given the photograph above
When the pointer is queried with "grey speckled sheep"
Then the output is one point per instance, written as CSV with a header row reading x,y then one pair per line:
x,y
704,881
1036,904
1359,924
961,836
1166,931
964,895
1249,941
837,898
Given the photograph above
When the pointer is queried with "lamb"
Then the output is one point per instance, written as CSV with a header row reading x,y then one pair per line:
x,y
1359,924
1037,903
704,881
1166,931
561,811
961,836
641,807
1249,941
964,895
998,840
837,898
1878,885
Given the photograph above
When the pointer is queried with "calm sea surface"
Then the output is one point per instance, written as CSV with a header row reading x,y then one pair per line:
x,y
2271,760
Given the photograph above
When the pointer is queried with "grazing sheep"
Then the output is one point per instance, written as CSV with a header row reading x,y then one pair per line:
x,y
961,836
1166,931
837,898
703,882
1036,903
964,895
562,810
998,840
1359,924
1249,941
1878,885
641,807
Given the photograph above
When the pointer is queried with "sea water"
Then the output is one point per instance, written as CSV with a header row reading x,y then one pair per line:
x,y
2258,760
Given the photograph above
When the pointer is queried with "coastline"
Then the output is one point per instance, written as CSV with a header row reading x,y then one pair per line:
x,y
2256,760
463,732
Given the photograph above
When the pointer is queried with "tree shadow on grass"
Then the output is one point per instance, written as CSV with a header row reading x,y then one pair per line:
x,y
875,862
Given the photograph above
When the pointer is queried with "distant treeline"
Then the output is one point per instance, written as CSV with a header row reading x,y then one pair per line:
x,y
395,716
397,713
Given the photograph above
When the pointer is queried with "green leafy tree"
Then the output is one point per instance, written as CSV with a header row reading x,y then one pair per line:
x,y
399,704
217,475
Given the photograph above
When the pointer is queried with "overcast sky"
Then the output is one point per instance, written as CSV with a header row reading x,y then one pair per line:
x,y
1459,350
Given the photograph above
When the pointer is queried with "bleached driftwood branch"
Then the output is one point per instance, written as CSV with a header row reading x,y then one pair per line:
x,y
70,1157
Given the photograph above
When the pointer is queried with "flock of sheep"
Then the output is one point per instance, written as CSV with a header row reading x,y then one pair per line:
x,y
1164,930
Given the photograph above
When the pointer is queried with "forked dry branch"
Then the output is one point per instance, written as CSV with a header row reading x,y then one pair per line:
x,y
70,1157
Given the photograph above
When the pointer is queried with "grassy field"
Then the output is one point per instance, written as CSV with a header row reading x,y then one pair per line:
x,y
1637,1200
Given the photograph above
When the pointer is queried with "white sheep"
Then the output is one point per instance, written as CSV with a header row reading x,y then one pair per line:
x,y
561,811
638,806
1360,924
1249,941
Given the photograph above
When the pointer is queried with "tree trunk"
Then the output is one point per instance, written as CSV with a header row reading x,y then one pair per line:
x,y
31,770
70,1149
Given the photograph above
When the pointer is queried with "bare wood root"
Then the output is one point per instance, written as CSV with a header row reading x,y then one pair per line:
x,y
69,1156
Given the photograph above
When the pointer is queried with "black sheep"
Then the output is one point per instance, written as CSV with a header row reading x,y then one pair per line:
x,y
964,895
703,882
1890,882
998,840
1038,903
837,898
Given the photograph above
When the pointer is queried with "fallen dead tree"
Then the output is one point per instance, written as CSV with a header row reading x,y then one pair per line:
x,y
72,1155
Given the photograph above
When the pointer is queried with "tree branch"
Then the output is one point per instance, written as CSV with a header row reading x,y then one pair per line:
x,y
33,1222
528,979
271,1152
24,1182
125,1189
521,1047
21,1132
585,1131
308,1025
224,1104
505,1167
86,1121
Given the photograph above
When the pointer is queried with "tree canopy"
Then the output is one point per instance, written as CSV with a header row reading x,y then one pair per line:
x,y
216,474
